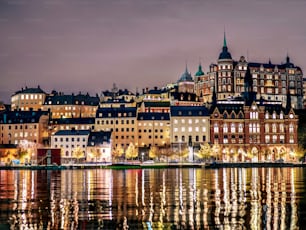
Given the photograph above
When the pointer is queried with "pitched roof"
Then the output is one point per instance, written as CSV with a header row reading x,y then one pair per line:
x,y
191,111
121,112
96,138
80,99
17,117
153,116
30,90
83,120
72,132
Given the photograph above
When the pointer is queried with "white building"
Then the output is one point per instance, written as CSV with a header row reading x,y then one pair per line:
x,y
73,144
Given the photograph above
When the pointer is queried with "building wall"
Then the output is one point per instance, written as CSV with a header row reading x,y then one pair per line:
x,y
185,127
69,144
254,134
27,101
153,133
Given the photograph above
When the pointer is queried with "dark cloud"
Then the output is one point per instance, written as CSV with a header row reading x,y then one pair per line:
x,y
73,45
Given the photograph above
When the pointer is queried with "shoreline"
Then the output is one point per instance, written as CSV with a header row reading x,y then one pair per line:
x,y
122,166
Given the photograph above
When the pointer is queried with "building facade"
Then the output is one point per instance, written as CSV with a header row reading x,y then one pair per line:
x,y
71,106
122,122
270,81
261,131
28,99
190,126
73,145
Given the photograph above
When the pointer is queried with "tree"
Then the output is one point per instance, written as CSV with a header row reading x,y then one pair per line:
x,y
131,152
216,150
153,152
78,154
118,152
205,151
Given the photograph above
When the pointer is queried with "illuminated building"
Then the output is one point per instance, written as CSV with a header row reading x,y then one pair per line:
x,y
189,124
153,129
99,147
271,81
121,122
28,98
247,129
83,123
73,144
71,106
19,126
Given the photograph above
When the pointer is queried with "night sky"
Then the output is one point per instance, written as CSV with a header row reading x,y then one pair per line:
x,y
87,45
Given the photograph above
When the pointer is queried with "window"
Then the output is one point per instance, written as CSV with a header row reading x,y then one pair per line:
x,y
233,128
225,128
274,139
291,129
240,128
281,128
267,128
216,128
267,138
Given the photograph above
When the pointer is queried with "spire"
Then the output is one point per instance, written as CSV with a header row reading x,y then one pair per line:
x,y
200,71
224,40
225,54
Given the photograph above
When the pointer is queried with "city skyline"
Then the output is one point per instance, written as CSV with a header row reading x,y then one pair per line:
x,y
74,46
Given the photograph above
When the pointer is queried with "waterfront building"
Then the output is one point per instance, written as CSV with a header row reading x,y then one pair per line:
x,y
71,106
99,147
190,126
247,129
153,129
73,144
122,122
28,128
28,98
271,81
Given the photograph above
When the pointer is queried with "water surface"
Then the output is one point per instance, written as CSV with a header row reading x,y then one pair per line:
x,y
229,198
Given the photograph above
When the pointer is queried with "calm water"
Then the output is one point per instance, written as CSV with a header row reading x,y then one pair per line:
x,y
265,198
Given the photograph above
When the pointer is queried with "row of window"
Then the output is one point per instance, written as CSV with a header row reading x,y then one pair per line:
x,y
129,114
190,129
111,122
22,127
68,146
61,139
255,139
183,138
253,128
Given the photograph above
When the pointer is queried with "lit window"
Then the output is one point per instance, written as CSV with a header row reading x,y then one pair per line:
x,y
267,138
190,129
225,128
216,128
233,128
183,129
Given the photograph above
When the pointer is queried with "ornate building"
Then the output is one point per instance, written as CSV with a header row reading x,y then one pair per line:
x,y
247,129
270,81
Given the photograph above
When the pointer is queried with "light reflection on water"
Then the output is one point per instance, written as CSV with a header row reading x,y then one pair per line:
x,y
229,198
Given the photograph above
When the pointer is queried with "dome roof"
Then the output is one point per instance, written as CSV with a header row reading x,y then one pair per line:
x,y
225,54
199,72
186,76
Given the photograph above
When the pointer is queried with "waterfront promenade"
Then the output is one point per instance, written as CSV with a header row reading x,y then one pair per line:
x,y
130,165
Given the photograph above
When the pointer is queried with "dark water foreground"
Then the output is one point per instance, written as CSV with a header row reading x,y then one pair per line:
x,y
181,198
